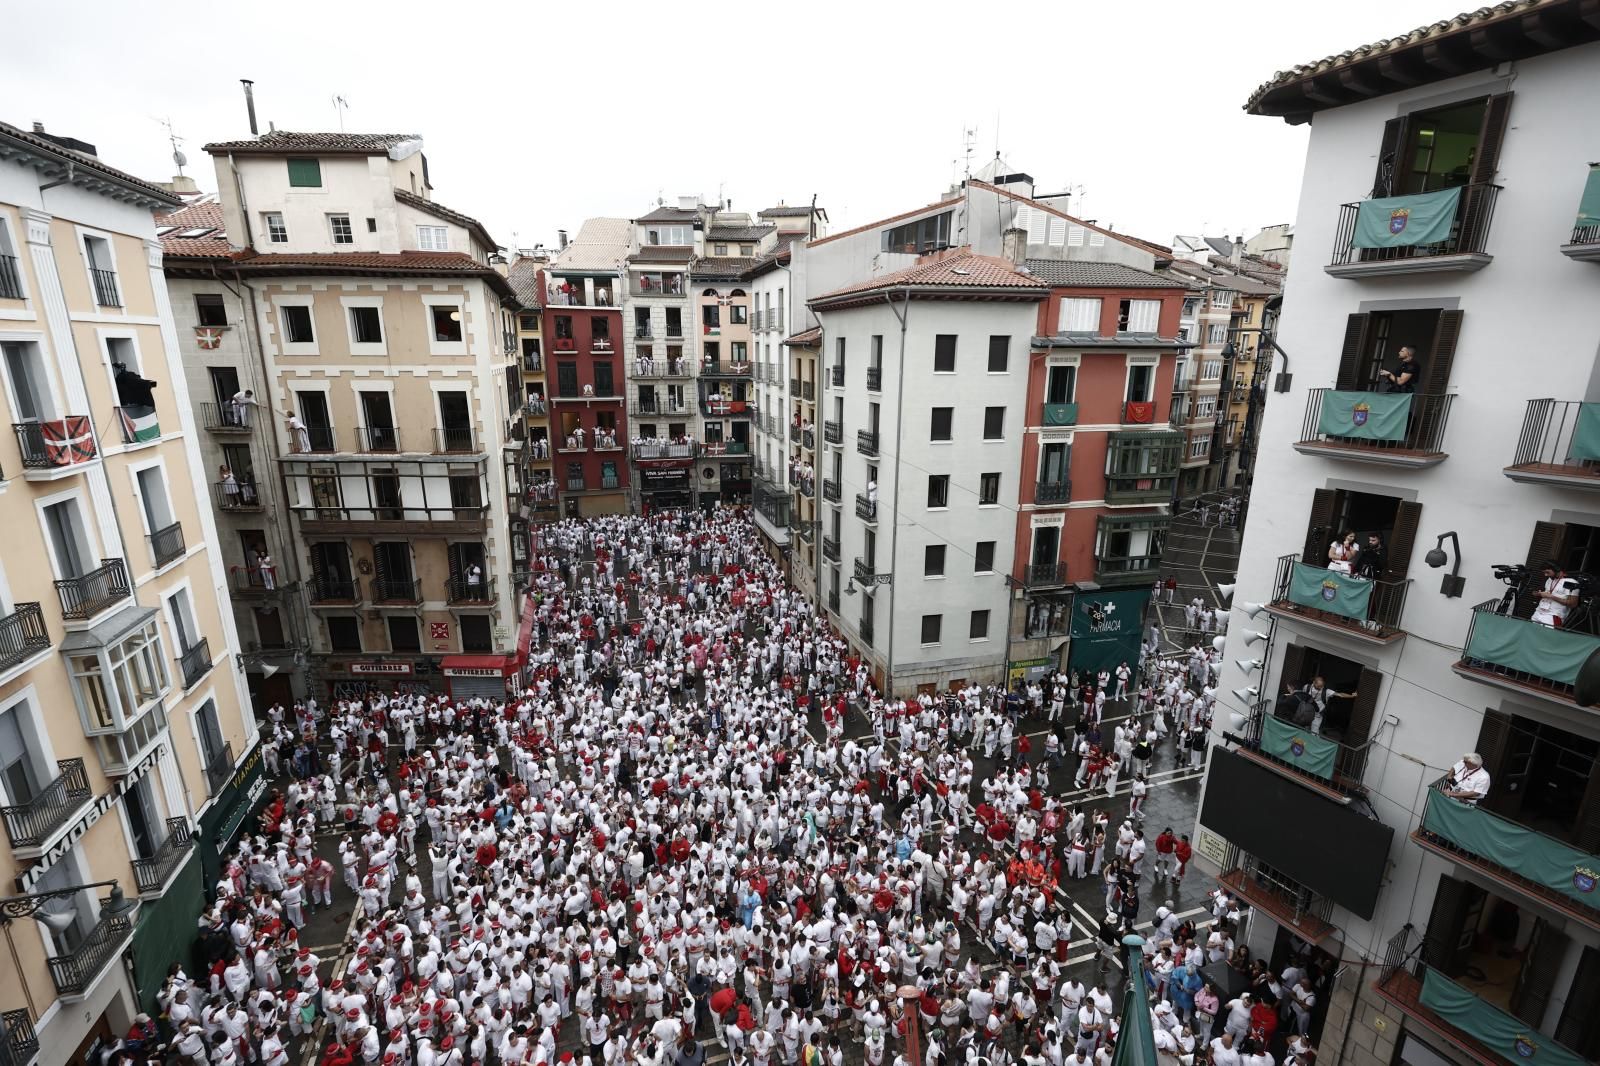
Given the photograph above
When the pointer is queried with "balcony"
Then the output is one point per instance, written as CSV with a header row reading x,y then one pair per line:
x,y
23,635
458,589
1321,763
1139,413
317,439
166,544
808,391
1370,611
833,600
830,490
644,408
794,386
874,379
1389,429
10,278
381,439
1584,245
404,520
1289,903
19,1043
75,972
1142,466
722,368
867,443
866,630
454,441
808,439
532,363
866,509
1523,656
1060,414
222,418
150,875
836,375
30,825
721,407
85,596
253,580
1534,864
670,367
55,448
830,551
333,591
397,591
1459,246
1559,445
601,345
807,486
1044,575
1058,491
195,662
864,572
833,432
1118,560
794,433
657,452
236,495
726,448
105,287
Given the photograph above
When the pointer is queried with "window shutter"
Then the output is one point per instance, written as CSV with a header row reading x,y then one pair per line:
x,y
1143,316
1038,225
1394,136
1075,236
1490,134
1443,353
1549,541
1494,743
1319,531
1058,231
1355,342
1451,902
1294,666
1363,708
1586,833
1537,980
1579,1028
1403,539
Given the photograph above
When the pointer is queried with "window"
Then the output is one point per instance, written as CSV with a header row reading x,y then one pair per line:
x,y
1222,298
1139,316
747,250
738,314
404,634
433,238
938,490
944,353
933,560
604,383
1079,315
209,310
739,351
671,236
923,235
297,324
719,249
999,354
941,420
344,634
711,316
366,325
464,491
305,174
1061,384
1141,380
994,423
1211,370
1200,446
1216,333
1205,406
339,226
277,232
446,323
1190,306
989,489
983,557
931,624
372,225
978,627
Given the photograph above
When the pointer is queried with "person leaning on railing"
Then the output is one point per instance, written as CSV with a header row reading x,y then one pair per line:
x,y
1468,780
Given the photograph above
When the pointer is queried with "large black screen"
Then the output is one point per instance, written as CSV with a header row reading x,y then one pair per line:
x,y
1322,844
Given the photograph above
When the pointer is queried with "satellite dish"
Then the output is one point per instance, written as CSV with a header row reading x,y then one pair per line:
x,y
1586,690
179,158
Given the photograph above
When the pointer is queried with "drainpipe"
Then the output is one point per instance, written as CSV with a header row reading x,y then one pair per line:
x,y
894,531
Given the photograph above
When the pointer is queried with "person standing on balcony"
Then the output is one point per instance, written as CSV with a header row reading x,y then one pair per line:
x,y
1403,378
1558,595
1468,780
239,407
264,567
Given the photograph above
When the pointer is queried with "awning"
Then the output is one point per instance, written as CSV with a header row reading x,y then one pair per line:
x,y
476,665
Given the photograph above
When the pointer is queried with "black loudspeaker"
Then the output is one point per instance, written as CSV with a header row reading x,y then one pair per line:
x,y
1586,690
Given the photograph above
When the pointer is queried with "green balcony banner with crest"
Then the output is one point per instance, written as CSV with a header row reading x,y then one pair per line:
x,y
1586,431
1365,415
1543,860
1510,1038
1329,590
1540,650
1301,748
1402,221
1589,202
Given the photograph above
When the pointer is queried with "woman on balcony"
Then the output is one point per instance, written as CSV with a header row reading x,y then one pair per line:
x,y
1342,554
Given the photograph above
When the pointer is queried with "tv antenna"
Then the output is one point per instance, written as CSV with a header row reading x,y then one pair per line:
x,y
970,139
179,160
340,106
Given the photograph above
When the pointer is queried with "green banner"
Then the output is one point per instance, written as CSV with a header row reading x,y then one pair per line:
x,y
1106,629
1540,650
1329,590
1586,432
1541,859
1366,415
1396,221
1589,202
165,933
1511,1038
1301,748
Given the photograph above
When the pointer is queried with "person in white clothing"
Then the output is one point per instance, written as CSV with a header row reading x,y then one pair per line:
x,y
1468,781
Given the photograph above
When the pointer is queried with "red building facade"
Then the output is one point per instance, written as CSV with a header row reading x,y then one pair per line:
x,y
588,393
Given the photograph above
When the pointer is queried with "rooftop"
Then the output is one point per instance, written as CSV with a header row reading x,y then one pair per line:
x,y
194,231
279,142
360,264
52,162
788,211
524,281
954,274
720,267
669,214
1083,273
738,233
599,248
438,210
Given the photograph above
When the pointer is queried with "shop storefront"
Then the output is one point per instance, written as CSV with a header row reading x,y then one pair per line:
x,y
469,677
667,484
219,824
358,678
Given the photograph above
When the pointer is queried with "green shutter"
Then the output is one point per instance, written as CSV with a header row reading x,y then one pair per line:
x,y
305,174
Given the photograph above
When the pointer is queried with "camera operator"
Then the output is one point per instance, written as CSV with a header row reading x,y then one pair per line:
x,y
1559,595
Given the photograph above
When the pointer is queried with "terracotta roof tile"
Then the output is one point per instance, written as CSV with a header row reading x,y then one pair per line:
x,y
276,142
738,233
446,262
193,216
806,339
955,273
525,282
669,214
720,267
197,247
1084,273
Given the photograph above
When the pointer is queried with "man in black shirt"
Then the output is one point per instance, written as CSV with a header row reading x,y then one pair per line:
x,y
1403,378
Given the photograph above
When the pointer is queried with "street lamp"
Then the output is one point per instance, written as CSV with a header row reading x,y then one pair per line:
x,y
12,908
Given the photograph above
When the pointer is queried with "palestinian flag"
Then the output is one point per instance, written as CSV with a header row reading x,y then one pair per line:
x,y
139,424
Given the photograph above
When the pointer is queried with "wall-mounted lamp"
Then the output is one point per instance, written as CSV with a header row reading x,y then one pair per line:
x,y
1452,584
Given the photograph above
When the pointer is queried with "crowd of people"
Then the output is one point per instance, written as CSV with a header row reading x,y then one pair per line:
x,y
701,830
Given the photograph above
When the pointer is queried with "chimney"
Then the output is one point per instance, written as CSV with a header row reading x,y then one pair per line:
x,y
181,184
1238,251
561,240
250,103
1014,245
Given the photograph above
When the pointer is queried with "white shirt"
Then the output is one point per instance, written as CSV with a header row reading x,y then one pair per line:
x,y
1474,780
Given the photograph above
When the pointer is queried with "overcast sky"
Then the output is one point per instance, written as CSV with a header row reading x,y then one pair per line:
x,y
538,115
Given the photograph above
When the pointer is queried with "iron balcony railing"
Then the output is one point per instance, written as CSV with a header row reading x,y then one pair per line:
x,y
1058,491
687,450
794,433
10,279
808,391
866,629
833,432
19,1043
1385,608
166,544
326,589
867,442
722,368
641,333
866,508
836,375
575,484
460,590
1349,762
1469,233
830,490
808,439
396,590
23,634
833,600
1528,633
219,767
660,408
75,444
609,481
532,363
74,973
150,874
319,439
29,825
224,418
87,595
875,378
1424,431
864,571
378,438
105,287
1545,446
236,495
1279,894
807,486
670,367
254,579
449,441
1045,575
727,447
1140,413
195,662
830,550
807,531
794,386
1580,235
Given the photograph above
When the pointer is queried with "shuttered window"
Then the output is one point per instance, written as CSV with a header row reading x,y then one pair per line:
x,y
1079,315
305,174
1144,316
